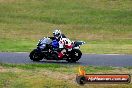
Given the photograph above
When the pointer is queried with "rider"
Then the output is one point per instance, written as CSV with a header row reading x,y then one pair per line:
x,y
62,40
58,35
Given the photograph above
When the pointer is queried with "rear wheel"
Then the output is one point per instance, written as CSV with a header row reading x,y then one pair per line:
x,y
75,55
35,55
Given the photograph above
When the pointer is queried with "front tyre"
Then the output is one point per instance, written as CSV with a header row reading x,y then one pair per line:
x,y
75,55
35,55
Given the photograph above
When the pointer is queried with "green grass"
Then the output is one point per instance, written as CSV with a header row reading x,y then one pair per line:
x,y
63,76
57,67
23,23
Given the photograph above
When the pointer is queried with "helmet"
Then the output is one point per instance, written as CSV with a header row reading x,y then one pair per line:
x,y
57,33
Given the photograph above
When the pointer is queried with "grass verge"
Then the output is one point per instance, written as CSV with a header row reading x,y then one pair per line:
x,y
62,76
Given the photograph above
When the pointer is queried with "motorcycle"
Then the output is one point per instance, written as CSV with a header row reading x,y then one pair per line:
x,y
45,50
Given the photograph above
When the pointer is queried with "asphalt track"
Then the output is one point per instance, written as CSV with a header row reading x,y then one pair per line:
x,y
87,59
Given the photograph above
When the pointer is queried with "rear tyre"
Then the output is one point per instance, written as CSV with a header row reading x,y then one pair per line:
x,y
35,55
75,56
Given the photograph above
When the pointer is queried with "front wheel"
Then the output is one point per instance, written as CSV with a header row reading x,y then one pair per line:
x,y
75,55
35,55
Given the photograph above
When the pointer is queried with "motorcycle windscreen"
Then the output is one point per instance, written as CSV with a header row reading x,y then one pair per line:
x,y
44,41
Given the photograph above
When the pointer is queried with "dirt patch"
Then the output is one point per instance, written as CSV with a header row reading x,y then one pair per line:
x,y
2,69
58,75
